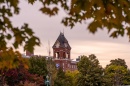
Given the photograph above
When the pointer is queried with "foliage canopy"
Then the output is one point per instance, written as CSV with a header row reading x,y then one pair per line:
x,y
38,65
116,73
118,62
19,35
114,15
90,72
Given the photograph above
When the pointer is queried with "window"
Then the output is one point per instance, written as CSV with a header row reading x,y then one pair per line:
x,y
64,55
57,55
57,45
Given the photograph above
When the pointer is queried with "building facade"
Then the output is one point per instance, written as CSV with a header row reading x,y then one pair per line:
x,y
28,53
62,54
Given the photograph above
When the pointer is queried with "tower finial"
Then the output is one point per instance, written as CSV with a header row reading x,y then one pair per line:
x,y
63,30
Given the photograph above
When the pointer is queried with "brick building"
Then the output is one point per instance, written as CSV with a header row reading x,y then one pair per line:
x,y
62,54
28,53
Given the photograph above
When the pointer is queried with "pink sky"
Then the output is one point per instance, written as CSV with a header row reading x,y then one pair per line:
x,y
81,41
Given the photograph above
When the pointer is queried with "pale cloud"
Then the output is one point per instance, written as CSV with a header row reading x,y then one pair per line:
x,y
105,51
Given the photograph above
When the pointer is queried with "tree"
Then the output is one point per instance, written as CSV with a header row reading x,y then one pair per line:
x,y
67,78
60,78
71,77
90,72
8,60
115,75
16,75
63,79
127,78
52,71
22,35
118,62
14,35
21,77
38,65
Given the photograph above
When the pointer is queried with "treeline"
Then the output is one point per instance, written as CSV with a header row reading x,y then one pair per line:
x,y
36,71
91,73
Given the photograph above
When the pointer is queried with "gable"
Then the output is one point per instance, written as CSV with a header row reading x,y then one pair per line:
x,y
61,42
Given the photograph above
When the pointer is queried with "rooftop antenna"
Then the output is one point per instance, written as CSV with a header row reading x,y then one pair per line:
x,y
48,49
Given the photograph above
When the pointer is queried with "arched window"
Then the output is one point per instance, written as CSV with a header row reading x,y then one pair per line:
x,y
57,55
67,55
64,55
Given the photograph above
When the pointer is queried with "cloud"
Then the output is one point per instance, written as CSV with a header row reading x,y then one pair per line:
x,y
105,51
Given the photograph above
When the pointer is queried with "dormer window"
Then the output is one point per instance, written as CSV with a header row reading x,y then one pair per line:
x,y
65,44
57,45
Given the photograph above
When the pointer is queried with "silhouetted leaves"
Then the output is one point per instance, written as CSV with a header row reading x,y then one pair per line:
x,y
111,14
108,14
49,11
8,32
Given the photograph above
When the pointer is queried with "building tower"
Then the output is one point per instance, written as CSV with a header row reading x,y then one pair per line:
x,y
28,53
61,52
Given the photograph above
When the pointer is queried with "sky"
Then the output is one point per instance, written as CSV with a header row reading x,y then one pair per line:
x,y
80,39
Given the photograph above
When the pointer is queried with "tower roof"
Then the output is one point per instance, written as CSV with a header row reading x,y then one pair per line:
x,y
62,41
